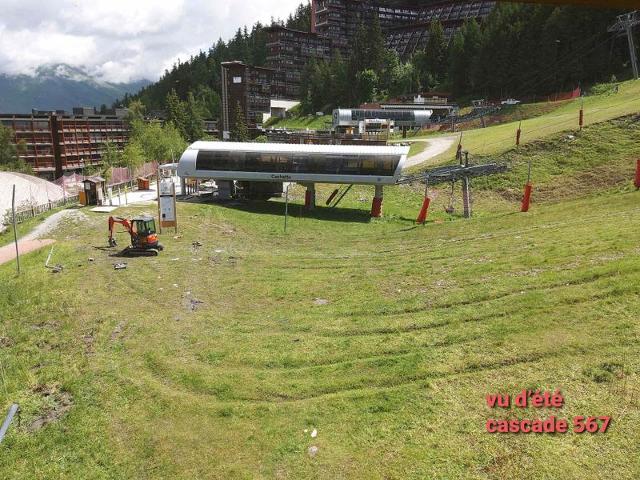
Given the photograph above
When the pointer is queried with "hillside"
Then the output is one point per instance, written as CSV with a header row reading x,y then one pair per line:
x,y
218,360
55,87
597,108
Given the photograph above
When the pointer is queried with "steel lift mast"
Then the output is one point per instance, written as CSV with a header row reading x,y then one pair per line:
x,y
625,24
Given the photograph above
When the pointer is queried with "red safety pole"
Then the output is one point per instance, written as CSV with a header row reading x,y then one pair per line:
x,y
376,205
526,199
581,119
422,216
637,181
518,133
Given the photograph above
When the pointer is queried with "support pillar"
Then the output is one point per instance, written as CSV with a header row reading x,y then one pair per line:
x,y
310,197
466,197
376,206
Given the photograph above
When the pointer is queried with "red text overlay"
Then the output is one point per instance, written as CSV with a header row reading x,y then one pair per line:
x,y
550,424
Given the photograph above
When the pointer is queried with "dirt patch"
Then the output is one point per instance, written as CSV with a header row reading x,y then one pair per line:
x,y
117,332
58,403
585,183
88,340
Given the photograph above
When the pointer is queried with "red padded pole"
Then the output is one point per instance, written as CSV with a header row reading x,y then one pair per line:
x,y
526,200
424,211
376,207
637,181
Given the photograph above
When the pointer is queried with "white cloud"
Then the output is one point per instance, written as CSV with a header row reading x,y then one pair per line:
x,y
122,40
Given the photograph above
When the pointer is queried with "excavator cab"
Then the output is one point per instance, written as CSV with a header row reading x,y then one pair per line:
x,y
142,230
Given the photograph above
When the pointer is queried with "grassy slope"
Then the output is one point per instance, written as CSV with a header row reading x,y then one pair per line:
x,y
597,108
417,147
421,324
304,122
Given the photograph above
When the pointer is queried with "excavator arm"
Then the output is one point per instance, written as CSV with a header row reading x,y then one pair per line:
x,y
122,221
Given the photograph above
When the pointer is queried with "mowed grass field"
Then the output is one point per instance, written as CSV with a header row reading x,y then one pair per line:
x,y
218,359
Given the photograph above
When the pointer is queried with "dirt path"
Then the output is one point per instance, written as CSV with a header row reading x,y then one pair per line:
x,y
29,242
8,252
52,222
435,147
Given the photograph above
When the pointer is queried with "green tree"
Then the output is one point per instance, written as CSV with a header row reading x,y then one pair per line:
x,y
176,112
133,155
436,52
110,157
137,111
366,85
193,120
458,66
10,153
375,47
239,131
155,142
404,79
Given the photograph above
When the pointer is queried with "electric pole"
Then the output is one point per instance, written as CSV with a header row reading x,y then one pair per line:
x,y
625,24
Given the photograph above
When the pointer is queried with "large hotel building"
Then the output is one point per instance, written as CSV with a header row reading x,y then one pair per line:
x,y
334,24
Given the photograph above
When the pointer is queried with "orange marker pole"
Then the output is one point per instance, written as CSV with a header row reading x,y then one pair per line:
x,y
637,181
526,200
424,211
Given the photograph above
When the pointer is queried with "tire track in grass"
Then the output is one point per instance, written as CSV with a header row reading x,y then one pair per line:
x,y
445,342
586,280
393,383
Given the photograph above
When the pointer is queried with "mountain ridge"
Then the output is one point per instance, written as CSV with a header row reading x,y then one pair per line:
x,y
60,87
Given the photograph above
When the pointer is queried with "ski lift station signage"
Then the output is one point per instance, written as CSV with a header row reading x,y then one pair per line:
x,y
167,203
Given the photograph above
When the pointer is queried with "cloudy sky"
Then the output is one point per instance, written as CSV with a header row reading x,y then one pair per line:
x,y
121,40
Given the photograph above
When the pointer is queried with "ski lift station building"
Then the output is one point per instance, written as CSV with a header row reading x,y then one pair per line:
x,y
268,165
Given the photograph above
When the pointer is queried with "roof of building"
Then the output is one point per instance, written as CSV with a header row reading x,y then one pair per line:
x,y
294,148
94,179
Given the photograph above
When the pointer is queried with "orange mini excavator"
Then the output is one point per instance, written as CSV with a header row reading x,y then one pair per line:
x,y
144,240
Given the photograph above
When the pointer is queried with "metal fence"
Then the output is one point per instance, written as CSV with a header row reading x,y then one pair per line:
x,y
29,211
122,175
